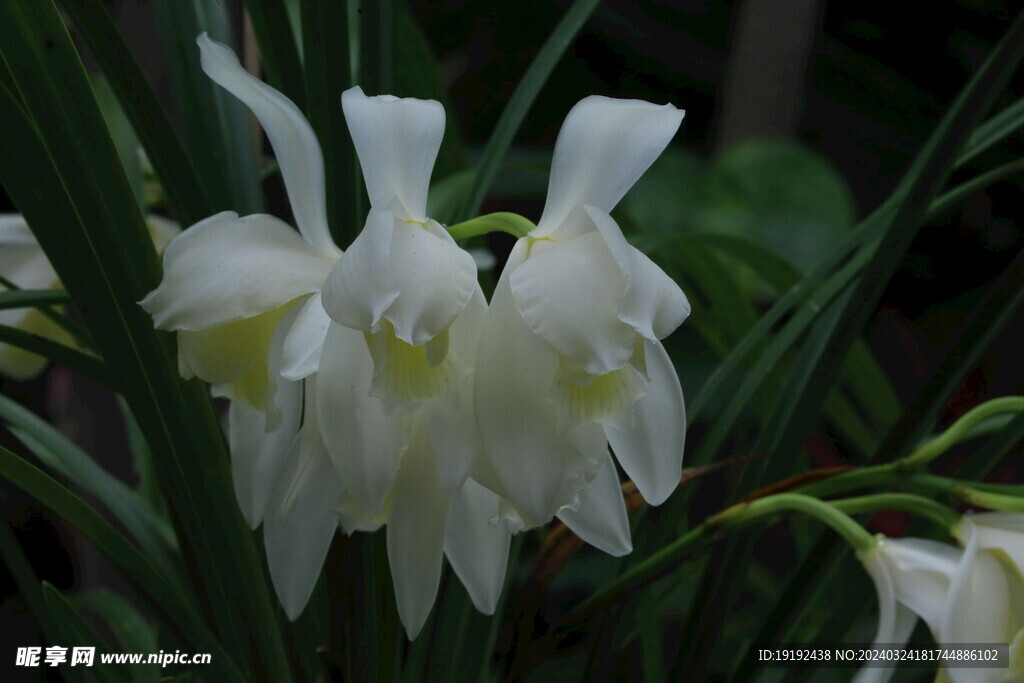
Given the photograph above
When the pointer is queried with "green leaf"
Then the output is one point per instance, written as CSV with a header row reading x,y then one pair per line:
x,y
132,632
62,172
418,74
83,364
31,591
328,67
993,131
929,172
217,127
185,192
125,142
276,38
153,534
33,298
163,595
522,99
74,630
782,195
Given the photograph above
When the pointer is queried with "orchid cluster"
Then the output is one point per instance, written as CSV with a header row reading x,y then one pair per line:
x,y
970,594
377,386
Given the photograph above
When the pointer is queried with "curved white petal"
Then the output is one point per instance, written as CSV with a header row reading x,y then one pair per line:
x,y
397,141
978,607
162,231
360,287
225,268
1002,532
922,572
257,452
653,303
599,517
605,145
300,356
416,533
895,621
301,520
260,440
435,277
651,452
477,545
364,442
524,451
14,230
451,420
569,293
23,262
295,145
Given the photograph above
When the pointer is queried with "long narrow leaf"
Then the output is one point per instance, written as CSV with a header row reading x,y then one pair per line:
x,y
171,162
74,629
53,449
178,615
85,365
926,177
278,50
327,64
522,99
72,191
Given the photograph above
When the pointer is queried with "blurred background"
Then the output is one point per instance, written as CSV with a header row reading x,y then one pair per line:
x,y
801,116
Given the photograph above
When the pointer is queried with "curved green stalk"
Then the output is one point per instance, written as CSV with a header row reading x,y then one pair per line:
x,y
918,505
962,428
503,221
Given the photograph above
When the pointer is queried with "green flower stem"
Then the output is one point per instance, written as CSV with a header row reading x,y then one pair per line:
x,y
962,427
918,505
512,223
664,560
828,513
991,500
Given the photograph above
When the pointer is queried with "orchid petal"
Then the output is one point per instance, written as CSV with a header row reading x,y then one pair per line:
x,y
364,442
233,357
605,145
416,533
18,363
568,293
226,268
14,231
452,422
477,545
653,303
525,454
397,141
260,439
922,572
600,517
301,353
435,277
895,621
302,519
1002,532
651,452
360,287
294,142
978,607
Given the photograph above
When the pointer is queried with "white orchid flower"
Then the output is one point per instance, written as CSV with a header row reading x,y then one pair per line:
x,y
409,470
23,263
228,280
243,294
404,281
570,359
964,595
394,394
